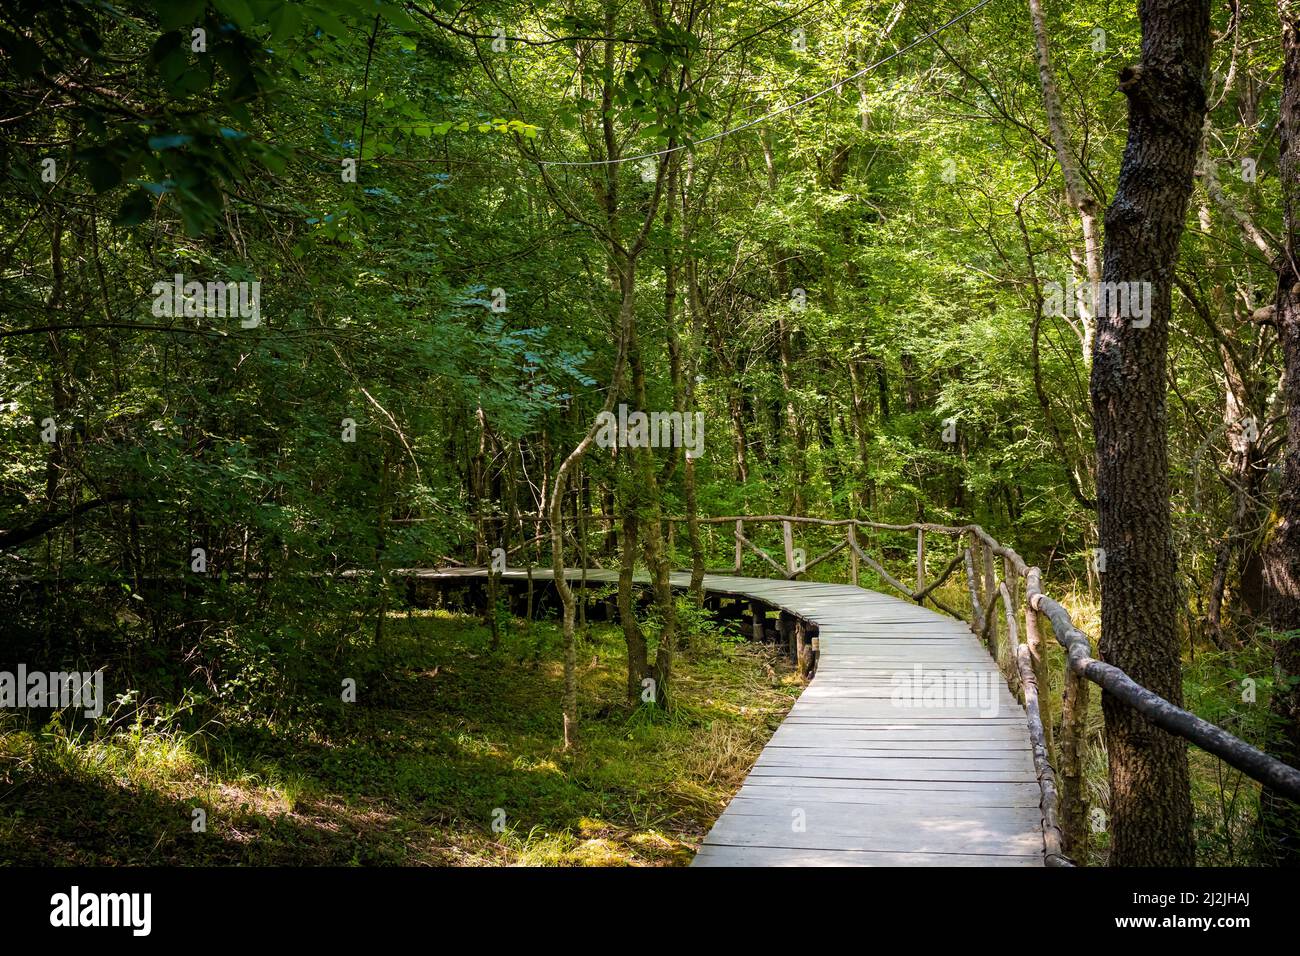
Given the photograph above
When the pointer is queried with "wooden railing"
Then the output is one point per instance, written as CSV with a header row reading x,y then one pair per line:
x,y
1024,662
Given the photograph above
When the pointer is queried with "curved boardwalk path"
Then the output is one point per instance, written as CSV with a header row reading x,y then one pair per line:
x,y
851,778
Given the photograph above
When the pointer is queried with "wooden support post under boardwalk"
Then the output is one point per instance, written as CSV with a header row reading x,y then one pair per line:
x,y
801,649
785,624
758,612
529,615
809,646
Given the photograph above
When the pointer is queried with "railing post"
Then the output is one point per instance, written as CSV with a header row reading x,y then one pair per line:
x,y
975,582
1048,803
1012,670
1011,580
1074,741
920,560
787,534
976,615
740,552
990,599
853,554
1038,660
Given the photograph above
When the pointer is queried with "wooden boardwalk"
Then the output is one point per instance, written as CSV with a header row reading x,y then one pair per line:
x,y
905,749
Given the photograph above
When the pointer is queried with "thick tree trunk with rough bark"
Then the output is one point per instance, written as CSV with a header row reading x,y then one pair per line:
x,y
1151,810
1280,817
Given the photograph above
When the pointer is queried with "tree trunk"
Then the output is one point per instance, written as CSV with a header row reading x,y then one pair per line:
x,y
682,368
797,437
638,663
1151,809
859,417
656,555
555,510
1076,190
1281,818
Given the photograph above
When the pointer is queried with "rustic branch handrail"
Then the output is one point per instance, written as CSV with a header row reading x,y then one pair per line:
x,y
1234,751
741,539
885,575
1018,563
925,592
1053,855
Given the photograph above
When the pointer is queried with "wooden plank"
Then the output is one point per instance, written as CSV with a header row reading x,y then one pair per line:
x,y
814,791
778,856
951,750
883,710
918,787
826,828
1006,767
832,816
883,771
820,738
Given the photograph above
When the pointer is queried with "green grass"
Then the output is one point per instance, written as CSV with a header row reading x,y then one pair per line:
x,y
456,738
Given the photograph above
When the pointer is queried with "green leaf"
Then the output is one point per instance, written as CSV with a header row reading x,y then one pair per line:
x,y
328,22
102,172
173,14
398,17
170,141
23,52
237,10
286,21
135,209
